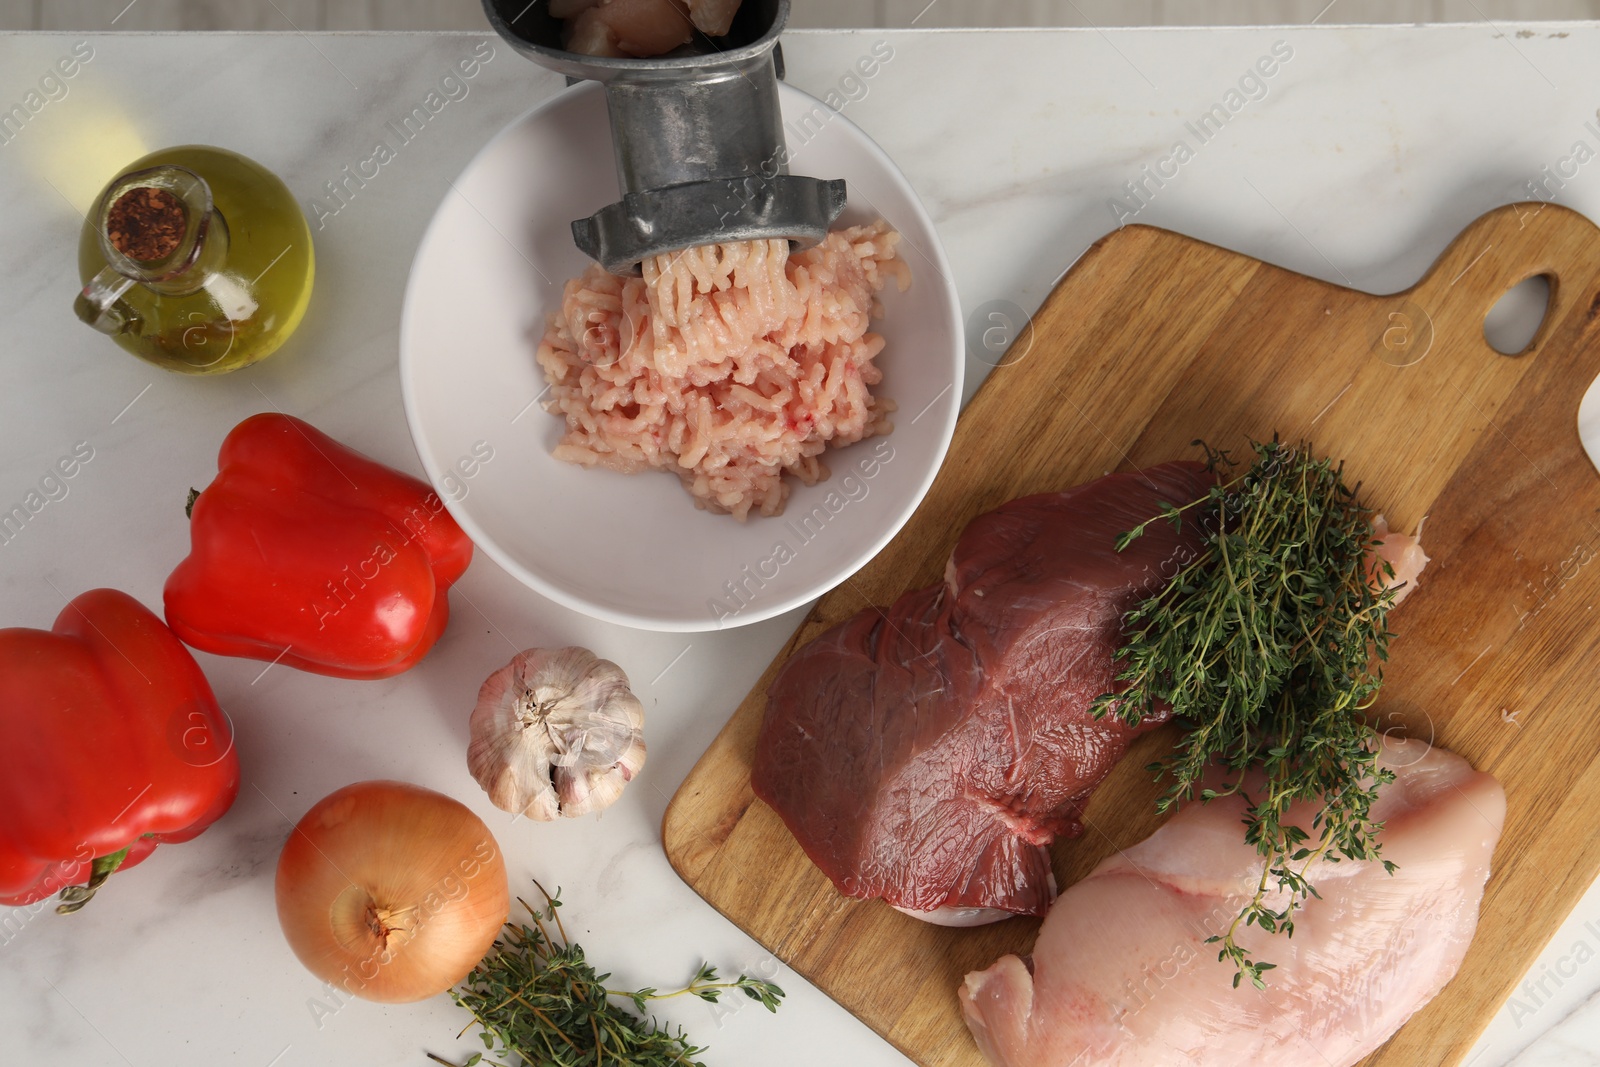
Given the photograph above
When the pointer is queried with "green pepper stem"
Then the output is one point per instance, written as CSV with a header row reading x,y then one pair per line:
x,y
76,896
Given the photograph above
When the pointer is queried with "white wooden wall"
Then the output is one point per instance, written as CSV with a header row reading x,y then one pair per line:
x,y
91,15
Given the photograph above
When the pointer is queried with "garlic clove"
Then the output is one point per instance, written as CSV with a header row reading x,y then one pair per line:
x,y
574,790
556,732
595,788
631,762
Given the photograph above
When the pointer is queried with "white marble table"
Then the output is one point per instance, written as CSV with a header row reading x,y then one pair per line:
x,y
1355,161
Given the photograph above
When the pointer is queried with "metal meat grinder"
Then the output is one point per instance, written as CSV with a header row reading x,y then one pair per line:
x,y
698,135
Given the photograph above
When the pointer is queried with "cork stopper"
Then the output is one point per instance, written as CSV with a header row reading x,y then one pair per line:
x,y
146,224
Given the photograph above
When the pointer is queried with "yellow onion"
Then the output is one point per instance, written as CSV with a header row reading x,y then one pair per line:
x,y
391,892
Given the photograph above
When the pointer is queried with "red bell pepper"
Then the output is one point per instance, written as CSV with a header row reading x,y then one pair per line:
x,y
110,743
308,553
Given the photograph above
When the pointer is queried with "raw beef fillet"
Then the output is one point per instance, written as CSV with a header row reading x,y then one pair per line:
x,y
927,754
1121,977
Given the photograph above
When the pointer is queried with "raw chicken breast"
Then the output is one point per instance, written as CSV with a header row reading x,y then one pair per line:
x,y
1120,976
1403,553
927,753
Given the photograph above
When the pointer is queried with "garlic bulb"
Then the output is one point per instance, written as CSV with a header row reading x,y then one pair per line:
x,y
556,732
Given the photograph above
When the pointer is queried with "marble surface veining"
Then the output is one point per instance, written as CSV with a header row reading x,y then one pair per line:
x,y
1356,161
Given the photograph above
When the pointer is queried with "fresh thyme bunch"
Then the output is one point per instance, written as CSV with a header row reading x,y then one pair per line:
x,y
1266,645
536,997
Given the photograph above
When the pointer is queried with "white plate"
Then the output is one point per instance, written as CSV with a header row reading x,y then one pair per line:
x,y
633,549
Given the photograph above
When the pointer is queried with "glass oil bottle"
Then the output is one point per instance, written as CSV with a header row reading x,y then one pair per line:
x,y
196,259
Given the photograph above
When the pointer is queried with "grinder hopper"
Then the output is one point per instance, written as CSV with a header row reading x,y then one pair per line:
x,y
698,136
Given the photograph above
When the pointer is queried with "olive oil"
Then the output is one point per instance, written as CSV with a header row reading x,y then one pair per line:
x,y
224,300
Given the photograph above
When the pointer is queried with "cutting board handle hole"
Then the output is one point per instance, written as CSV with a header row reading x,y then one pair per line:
x,y
1515,319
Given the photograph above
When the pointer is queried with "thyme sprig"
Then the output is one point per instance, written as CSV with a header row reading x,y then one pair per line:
x,y
539,1000
1267,644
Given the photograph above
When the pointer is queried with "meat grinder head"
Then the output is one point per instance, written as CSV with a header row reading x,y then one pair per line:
x,y
698,136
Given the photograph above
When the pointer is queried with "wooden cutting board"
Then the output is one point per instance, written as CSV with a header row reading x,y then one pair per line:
x,y
1151,341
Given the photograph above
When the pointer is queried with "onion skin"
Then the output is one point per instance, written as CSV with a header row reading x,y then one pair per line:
x,y
391,892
